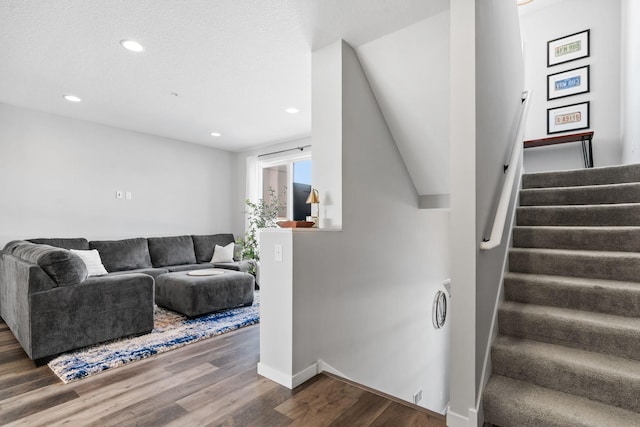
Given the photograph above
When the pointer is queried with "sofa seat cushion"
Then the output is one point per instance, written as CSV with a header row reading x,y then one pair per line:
x,y
64,267
175,250
205,244
79,243
242,266
119,255
151,271
188,267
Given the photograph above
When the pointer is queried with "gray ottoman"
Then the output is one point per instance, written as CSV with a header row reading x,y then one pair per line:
x,y
197,295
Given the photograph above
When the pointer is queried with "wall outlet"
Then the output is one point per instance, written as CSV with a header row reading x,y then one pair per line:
x,y
127,195
417,397
118,194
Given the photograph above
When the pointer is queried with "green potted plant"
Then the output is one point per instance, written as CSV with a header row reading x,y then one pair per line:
x,y
261,214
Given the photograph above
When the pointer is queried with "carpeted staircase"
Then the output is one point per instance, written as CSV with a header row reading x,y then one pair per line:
x,y
568,349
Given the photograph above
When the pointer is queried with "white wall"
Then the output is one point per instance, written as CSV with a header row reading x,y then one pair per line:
x,y
362,296
326,124
630,85
464,249
59,176
499,80
418,116
564,18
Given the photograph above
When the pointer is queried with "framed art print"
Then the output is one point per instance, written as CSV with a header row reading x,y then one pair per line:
x,y
568,117
568,48
567,83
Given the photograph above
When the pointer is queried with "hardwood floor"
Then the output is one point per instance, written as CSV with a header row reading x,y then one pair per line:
x,y
210,383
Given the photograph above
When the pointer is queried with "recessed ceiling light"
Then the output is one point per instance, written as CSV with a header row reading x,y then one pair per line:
x,y
72,98
132,45
216,134
292,110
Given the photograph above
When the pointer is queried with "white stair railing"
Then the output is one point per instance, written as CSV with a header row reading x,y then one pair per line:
x,y
495,238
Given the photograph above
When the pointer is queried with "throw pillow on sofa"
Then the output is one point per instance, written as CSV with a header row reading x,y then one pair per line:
x,y
91,259
223,253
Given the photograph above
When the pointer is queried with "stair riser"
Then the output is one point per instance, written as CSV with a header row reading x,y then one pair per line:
x,y
588,336
587,298
610,215
617,267
513,403
568,378
629,173
629,193
578,239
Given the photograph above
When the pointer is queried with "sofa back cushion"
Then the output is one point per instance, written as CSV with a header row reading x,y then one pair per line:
x,y
64,267
79,243
120,255
204,245
175,250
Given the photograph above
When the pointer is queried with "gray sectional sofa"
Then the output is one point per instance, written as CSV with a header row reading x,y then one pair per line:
x,y
51,306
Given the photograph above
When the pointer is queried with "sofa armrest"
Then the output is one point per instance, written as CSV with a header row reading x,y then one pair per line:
x,y
100,309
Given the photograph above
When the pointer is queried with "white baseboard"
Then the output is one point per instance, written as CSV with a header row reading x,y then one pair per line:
x,y
288,381
325,367
275,375
457,420
305,375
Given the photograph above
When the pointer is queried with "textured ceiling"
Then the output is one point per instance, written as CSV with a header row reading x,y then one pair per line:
x,y
235,64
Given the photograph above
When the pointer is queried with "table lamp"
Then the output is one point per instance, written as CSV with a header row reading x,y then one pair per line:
x,y
314,199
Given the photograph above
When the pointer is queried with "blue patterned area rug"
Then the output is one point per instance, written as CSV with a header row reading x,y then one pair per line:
x,y
171,330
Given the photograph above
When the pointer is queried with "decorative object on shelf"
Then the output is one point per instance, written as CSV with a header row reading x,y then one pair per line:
x,y
568,117
314,199
295,224
568,48
261,214
568,83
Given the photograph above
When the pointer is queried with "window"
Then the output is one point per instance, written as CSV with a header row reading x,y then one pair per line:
x,y
290,180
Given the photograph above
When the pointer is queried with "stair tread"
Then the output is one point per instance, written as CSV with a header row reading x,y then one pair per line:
x,y
609,321
581,177
575,281
583,187
579,252
525,404
581,227
602,206
587,361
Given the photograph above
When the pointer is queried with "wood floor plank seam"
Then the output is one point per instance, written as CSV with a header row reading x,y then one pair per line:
x,y
209,383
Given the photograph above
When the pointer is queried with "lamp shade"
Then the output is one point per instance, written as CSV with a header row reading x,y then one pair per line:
x,y
313,196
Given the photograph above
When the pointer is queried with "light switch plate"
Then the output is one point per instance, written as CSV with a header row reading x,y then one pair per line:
x,y
278,252
118,194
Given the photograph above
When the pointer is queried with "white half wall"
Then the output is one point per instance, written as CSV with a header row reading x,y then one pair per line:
x,y
59,177
362,296
561,19
629,83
